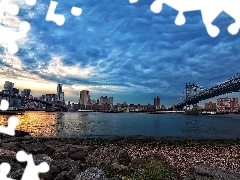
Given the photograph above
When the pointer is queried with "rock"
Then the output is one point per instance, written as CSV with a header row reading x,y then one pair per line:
x,y
121,168
13,146
52,173
66,148
115,178
19,133
54,170
42,157
137,163
34,148
7,155
116,166
65,164
73,172
203,171
123,158
17,174
92,173
108,155
60,155
62,176
79,155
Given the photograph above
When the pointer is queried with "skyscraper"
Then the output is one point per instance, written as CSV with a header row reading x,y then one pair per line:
x,y
103,100
157,102
110,100
59,92
15,91
26,92
63,97
8,86
84,97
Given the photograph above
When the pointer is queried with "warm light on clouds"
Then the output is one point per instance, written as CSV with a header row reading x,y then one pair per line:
x,y
56,67
132,53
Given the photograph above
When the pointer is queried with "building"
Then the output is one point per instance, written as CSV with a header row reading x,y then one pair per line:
x,y
157,102
110,100
210,106
84,98
51,98
15,91
26,92
63,97
69,105
8,87
43,97
227,105
103,100
100,100
59,92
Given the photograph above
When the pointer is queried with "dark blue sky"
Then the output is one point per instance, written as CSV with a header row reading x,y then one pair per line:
x,y
119,49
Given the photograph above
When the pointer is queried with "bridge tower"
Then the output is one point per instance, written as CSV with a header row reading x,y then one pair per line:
x,y
191,90
50,98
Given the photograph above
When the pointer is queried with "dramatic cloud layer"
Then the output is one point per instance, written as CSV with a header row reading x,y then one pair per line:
x,y
119,49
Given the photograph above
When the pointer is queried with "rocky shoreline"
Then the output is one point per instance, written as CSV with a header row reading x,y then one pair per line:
x,y
124,158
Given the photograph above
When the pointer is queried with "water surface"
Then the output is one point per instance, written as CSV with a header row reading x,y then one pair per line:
x,y
97,124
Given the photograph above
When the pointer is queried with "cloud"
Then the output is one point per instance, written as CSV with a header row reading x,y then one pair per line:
x,y
122,49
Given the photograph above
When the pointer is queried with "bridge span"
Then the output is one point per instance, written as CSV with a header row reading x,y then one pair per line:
x,y
49,103
195,93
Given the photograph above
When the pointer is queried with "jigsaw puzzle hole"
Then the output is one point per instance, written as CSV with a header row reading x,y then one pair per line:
x,y
156,6
233,28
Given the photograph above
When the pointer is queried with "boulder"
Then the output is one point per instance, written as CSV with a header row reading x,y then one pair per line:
x,y
91,173
204,171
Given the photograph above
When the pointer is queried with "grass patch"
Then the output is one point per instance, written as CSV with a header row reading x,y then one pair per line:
x,y
152,170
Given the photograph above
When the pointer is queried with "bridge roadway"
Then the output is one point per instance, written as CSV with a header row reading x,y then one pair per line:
x,y
31,99
232,85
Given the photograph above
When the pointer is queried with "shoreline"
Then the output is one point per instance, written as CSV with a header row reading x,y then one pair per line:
x,y
121,156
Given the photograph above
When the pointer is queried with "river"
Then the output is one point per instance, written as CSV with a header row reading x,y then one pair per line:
x,y
97,124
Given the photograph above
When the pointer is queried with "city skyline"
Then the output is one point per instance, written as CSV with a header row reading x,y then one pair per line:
x,y
60,90
132,55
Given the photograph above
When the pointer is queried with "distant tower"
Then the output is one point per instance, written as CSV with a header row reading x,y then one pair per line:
x,y
8,86
63,97
157,102
59,92
110,100
27,92
105,100
84,97
101,100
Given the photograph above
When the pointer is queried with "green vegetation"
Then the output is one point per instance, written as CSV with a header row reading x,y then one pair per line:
x,y
153,172
150,170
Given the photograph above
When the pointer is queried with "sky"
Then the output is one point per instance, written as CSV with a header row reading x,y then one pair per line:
x,y
118,49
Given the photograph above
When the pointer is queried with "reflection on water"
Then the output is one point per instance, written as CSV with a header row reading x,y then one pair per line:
x,y
85,124
36,123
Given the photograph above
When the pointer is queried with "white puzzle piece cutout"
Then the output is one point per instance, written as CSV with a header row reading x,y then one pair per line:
x,y
133,1
30,2
10,37
31,171
4,105
4,170
76,11
59,19
10,129
12,9
7,35
210,10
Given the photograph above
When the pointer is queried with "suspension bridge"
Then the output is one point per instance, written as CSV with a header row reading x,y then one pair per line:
x,y
195,93
50,102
